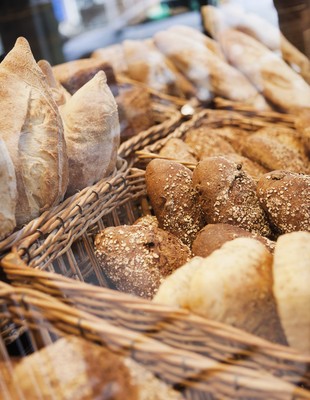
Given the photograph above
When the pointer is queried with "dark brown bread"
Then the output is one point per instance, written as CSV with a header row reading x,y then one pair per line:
x,y
228,195
169,187
252,168
137,258
213,236
285,196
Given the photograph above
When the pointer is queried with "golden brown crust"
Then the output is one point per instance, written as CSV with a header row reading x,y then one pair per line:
x,y
228,195
178,150
253,169
285,196
169,187
137,258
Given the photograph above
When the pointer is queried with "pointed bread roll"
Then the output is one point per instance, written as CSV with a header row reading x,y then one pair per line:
x,y
32,129
92,133
291,272
8,192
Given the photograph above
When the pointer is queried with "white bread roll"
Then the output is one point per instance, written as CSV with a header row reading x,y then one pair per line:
x,y
206,71
92,133
32,129
266,70
291,273
233,285
8,192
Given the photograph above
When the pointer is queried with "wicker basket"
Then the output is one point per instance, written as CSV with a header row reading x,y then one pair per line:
x,y
208,359
213,119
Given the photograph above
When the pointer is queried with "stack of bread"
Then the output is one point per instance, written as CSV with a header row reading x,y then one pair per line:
x,y
243,67
52,143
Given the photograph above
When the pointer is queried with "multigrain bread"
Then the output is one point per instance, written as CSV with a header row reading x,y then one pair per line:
x,y
32,130
136,258
213,236
8,192
206,71
302,124
227,194
285,197
169,187
252,168
178,150
267,71
233,285
92,133
291,274
277,148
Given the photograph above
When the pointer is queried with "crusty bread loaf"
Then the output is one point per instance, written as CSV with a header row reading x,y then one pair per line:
x,y
169,187
213,236
136,258
302,124
32,130
8,192
272,77
233,285
291,274
92,133
277,148
228,195
178,150
113,55
208,73
252,168
285,196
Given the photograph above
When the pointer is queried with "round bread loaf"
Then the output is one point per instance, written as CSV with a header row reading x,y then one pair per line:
x,y
169,187
178,150
136,258
228,195
213,236
253,169
291,274
285,196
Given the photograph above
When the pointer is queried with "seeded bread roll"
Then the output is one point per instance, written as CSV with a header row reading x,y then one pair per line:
x,y
233,285
169,187
228,195
302,124
137,258
277,148
291,274
205,142
213,236
253,169
234,136
285,196
177,149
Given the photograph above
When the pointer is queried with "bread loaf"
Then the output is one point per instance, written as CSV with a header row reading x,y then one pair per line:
x,y
137,258
113,55
92,133
228,195
178,150
266,70
169,187
285,197
291,274
32,130
208,73
252,168
8,192
233,285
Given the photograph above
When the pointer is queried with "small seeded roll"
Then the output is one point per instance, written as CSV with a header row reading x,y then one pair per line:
x,y
137,258
213,236
206,142
228,195
277,148
169,187
177,149
253,169
285,196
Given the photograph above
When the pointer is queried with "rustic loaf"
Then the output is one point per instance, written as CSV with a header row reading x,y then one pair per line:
x,y
178,150
92,133
32,130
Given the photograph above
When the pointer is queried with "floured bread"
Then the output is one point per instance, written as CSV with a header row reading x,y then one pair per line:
x,y
206,71
92,133
114,55
32,130
266,70
291,274
8,192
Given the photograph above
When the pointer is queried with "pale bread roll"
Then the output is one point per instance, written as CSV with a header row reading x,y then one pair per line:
x,y
291,274
113,55
8,192
32,129
92,133
266,70
207,72
233,285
